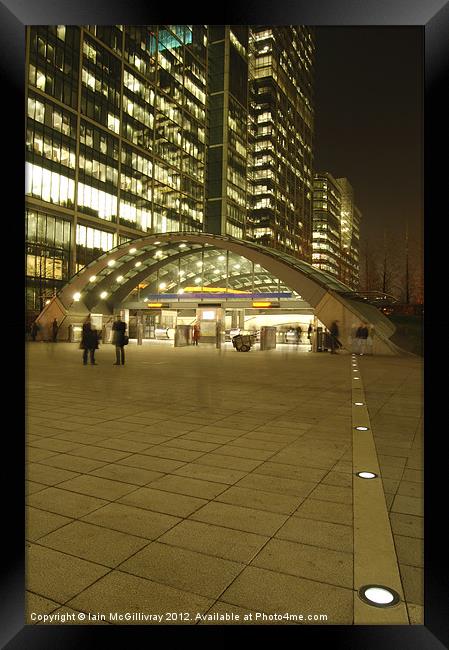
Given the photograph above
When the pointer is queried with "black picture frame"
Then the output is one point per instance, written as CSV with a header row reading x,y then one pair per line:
x,y
433,17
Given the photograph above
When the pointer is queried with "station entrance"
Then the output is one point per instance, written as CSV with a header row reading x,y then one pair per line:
x,y
163,282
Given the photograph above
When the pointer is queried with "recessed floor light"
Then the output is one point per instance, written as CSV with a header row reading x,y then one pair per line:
x,y
379,596
359,403
362,428
366,474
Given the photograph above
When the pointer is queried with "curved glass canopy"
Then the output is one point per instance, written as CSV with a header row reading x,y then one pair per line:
x,y
182,263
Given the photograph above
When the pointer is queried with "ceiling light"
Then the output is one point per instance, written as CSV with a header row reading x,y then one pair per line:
x,y
76,296
92,278
138,264
132,250
119,278
361,428
359,403
181,290
104,294
366,474
162,285
197,280
221,258
111,262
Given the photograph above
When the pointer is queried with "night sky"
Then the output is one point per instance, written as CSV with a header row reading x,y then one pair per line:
x,y
368,112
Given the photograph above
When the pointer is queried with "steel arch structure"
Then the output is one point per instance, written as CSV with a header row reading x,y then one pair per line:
x,y
104,284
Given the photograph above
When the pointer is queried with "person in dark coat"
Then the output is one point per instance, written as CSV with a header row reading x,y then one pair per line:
x,y
34,330
334,334
361,336
118,339
196,333
54,329
89,341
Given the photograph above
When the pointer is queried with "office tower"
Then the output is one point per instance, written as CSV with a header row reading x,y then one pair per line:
x,y
350,235
115,142
336,228
141,129
227,168
326,236
282,113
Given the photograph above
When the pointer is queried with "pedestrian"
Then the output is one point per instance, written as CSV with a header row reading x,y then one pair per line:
x,y
89,341
119,339
54,330
299,333
361,336
196,333
309,335
334,334
34,330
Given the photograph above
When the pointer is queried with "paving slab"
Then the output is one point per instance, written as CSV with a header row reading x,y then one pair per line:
x,y
302,560
183,569
322,534
121,593
64,502
39,523
271,592
58,576
240,518
229,544
170,503
132,520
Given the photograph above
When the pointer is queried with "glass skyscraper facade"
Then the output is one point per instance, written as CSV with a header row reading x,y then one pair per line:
x,y
115,142
282,113
133,130
336,229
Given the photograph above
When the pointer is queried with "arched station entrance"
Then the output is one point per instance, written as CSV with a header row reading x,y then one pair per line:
x,y
186,270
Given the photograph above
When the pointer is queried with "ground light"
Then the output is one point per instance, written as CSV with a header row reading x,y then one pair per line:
x,y
379,596
361,428
366,475
359,403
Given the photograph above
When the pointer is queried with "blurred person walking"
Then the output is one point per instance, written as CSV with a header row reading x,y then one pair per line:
x,y
89,341
54,330
361,336
119,339
309,335
196,333
334,334
34,330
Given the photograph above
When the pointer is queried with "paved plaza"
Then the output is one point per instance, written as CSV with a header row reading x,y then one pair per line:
x,y
198,484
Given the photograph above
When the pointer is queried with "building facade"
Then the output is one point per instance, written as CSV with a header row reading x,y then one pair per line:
x,y
115,142
336,229
282,123
228,142
133,130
